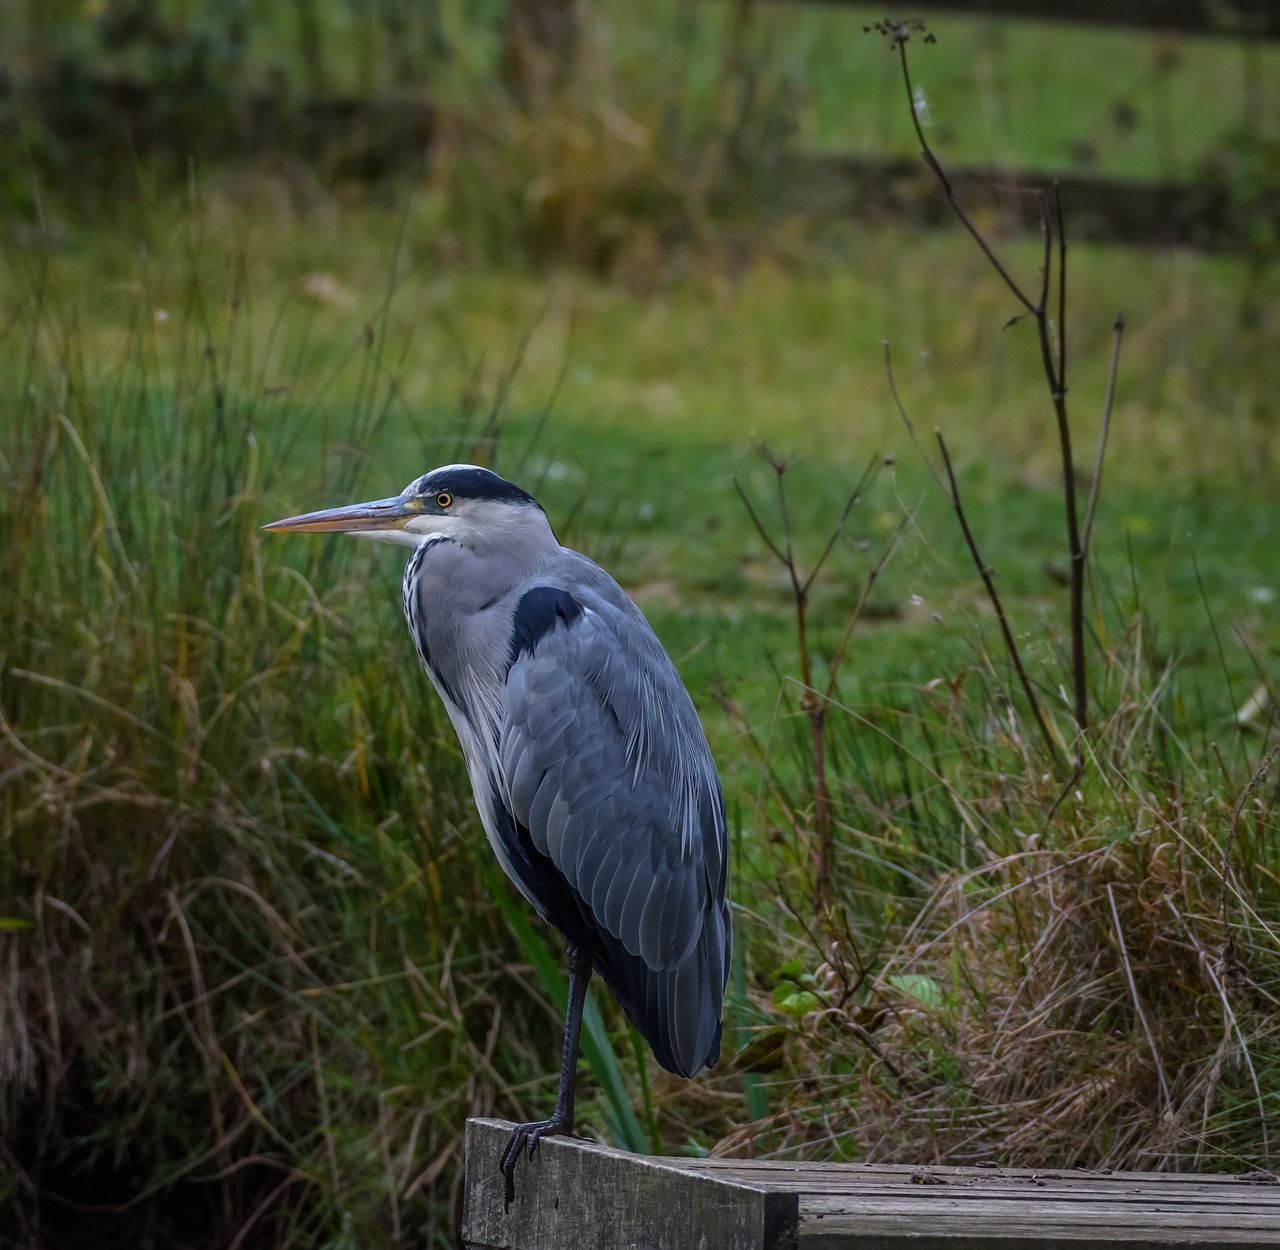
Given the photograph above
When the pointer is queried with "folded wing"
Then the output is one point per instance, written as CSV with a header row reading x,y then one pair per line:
x,y
608,780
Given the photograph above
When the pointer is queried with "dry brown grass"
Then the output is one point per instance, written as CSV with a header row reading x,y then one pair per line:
x,y
1094,984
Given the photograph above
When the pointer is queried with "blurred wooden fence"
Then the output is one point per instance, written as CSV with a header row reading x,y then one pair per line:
x,y
111,120
1206,215
1238,18
1097,209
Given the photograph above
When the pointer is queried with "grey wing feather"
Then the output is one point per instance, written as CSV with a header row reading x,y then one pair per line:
x,y
605,764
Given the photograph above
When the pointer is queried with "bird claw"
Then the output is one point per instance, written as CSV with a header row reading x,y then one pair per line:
x,y
525,1138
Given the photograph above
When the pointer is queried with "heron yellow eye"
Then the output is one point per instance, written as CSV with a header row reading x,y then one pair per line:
x,y
443,499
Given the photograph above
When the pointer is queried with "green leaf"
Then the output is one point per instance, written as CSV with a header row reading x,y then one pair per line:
x,y
764,1053
15,924
795,1003
923,989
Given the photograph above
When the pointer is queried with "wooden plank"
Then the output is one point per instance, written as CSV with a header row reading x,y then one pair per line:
x,y
1104,210
932,1218
122,117
581,1195
1238,18
831,1178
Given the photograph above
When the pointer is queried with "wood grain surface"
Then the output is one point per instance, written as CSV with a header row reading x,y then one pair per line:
x,y
582,1196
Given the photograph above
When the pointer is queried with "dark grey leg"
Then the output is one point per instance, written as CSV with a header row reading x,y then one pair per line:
x,y
561,1122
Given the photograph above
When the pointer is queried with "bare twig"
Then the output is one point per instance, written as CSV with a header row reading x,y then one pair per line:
x,y
1054,363
952,492
759,525
1046,263
838,528
1059,394
932,161
1062,280
1096,485
814,703
873,576
984,571
906,420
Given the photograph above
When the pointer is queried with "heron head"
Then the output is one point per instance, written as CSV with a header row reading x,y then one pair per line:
x,y
461,501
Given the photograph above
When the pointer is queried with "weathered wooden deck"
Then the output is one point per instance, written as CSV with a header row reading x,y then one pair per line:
x,y
586,1197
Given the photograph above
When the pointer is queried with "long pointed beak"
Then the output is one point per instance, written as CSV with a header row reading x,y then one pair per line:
x,y
378,514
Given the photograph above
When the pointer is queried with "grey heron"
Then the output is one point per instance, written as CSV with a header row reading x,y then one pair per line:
x,y
591,772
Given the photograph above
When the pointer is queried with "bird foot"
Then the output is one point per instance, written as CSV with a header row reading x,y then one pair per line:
x,y
526,1137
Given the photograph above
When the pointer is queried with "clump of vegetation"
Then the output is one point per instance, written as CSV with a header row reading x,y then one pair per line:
x,y
1017,976
1075,962
256,962
989,958
250,953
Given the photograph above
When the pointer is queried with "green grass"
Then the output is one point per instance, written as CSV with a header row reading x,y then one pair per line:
x,y
259,962
657,401
249,711
1031,95
1026,94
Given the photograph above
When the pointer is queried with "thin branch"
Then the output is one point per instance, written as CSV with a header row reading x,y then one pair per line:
x,y
813,704
906,420
755,520
994,595
1054,363
780,469
863,482
1096,485
929,159
1062,286
1057,391
953,495
1046,262
837,658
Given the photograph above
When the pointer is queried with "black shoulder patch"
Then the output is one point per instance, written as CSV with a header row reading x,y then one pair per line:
x,y
537,614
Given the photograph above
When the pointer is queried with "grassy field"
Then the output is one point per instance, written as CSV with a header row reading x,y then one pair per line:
x,y
636,411
256,962
1035,95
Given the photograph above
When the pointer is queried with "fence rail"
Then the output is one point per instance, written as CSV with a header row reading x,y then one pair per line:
x,y
113,119
1203,216
1235,18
